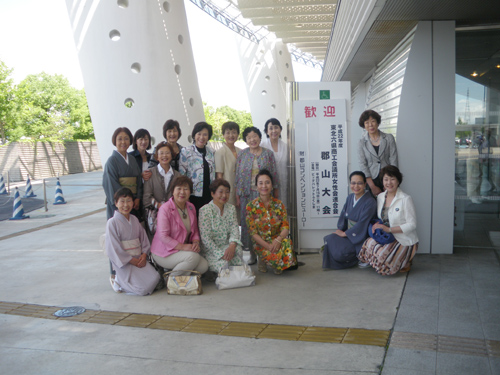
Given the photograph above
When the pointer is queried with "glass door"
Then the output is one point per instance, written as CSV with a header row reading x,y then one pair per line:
x,y
477,138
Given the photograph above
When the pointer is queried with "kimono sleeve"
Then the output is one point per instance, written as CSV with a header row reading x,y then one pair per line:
x,y
342,222
359,231
111,181
114,249
143,237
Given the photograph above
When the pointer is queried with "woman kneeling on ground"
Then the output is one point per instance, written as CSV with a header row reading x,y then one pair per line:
x,y
127,247
220,233
176,244
397,213
268,226
342,246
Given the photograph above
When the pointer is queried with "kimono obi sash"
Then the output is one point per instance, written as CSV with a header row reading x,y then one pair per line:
x,y
350,224
129,182
132,247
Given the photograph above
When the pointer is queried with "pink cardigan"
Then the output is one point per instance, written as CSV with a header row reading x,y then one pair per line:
x,y
170,230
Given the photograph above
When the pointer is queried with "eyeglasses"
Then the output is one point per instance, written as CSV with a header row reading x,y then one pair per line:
x,y
357,183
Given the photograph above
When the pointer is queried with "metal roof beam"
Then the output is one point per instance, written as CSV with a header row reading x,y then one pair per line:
x,y
248,4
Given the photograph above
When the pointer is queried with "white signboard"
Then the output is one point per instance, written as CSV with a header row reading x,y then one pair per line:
x,y
321,161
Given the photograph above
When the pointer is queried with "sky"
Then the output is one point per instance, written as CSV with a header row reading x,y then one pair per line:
x,y
36,36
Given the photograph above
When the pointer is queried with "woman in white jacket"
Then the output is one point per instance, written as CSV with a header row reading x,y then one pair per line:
x,y
396,211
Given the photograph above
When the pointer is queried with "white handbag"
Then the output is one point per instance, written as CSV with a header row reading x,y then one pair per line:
x,y
235,277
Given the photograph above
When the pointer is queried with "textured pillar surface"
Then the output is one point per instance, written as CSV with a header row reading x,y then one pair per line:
x,y
137,65
267,67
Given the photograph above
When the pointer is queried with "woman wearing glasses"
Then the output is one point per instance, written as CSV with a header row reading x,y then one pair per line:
x,y
342,246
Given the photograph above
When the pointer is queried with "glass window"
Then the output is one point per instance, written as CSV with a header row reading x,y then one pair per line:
x,y
477,138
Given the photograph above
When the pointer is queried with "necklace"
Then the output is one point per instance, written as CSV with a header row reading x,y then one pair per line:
x,y
255,153
375,140
184,214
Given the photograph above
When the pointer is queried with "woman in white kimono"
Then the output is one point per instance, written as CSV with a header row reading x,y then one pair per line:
x,y
121,170
219,231
274,143
127,247
342,246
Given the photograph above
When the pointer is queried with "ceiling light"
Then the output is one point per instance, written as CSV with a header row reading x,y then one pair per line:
x,y
474,74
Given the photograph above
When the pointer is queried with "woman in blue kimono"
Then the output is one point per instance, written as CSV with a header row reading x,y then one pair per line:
x,y
121,170
342,246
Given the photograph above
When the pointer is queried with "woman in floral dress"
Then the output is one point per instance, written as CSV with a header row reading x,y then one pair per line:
x,y
268,225
220,235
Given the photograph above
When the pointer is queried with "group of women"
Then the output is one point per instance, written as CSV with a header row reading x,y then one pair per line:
x,y
377,226
175,186
178,187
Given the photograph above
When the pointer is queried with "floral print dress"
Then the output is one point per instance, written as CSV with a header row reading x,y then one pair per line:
x,y
245,185
217,232
268,224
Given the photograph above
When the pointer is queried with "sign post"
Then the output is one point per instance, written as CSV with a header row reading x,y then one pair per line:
x,y
321,159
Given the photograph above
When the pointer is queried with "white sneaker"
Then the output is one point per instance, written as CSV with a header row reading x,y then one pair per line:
x,y
114,284
363,265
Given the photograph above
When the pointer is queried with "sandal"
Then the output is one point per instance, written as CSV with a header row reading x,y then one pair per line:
x,y
262,267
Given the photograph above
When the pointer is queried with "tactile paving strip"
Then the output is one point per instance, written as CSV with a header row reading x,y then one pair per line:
x,y
206,326
446,344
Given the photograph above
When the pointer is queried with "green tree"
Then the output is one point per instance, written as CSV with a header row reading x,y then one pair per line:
x,y
51,109
80,117
218,116
7,105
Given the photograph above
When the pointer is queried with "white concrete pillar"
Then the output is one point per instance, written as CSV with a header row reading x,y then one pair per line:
x,y
136,52
266,67
425,133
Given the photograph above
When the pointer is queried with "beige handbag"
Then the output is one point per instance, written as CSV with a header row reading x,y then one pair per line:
x,y
184,285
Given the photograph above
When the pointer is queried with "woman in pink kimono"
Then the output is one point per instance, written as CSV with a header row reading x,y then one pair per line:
x,y
127,247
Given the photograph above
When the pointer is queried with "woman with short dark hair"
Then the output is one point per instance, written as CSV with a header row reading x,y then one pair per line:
x,y
157,190
274,143
127,247
121,171
376,150
398,218
140,144
198,163
225,157
342,247
219,230
172,132
176,244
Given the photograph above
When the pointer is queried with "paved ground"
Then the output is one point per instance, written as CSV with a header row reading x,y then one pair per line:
x,y
441,318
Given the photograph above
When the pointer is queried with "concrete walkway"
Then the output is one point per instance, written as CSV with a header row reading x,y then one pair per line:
x,y
53,260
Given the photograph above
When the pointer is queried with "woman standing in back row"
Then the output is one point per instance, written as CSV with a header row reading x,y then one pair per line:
x,y
376,150
274,143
